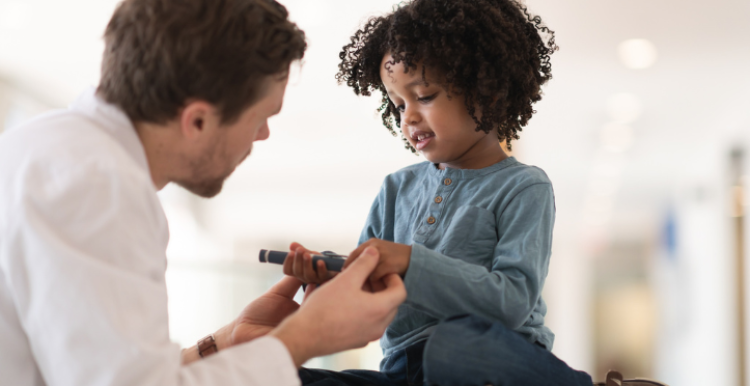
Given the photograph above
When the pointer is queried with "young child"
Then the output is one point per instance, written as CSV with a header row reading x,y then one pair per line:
x,y
470,229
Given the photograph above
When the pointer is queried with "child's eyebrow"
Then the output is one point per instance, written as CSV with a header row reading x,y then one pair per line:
x,y
416,82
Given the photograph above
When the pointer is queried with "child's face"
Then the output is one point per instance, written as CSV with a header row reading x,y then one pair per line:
x,y
437,126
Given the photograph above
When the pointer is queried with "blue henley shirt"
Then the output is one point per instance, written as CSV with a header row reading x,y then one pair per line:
x,y
481,243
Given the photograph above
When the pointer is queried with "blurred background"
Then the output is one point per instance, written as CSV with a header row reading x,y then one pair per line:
x,y
644,131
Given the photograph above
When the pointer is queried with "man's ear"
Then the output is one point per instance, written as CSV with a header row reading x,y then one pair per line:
x,y
197,118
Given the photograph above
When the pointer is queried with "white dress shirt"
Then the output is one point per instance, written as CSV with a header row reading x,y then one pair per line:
x,y
83,300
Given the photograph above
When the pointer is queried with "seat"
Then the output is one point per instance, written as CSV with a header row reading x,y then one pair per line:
x,y
614,378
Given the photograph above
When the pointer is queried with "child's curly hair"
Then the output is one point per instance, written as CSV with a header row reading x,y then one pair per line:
x,y
489,51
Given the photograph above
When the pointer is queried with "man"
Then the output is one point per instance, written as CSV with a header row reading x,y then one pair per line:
x,y
187,86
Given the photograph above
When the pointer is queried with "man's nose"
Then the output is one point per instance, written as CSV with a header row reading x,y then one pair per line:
x,y
263,133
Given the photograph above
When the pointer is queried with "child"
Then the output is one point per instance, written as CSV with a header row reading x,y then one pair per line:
x,y
470,230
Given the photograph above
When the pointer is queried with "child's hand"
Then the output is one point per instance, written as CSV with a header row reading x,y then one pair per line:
x,y
298,263
394,258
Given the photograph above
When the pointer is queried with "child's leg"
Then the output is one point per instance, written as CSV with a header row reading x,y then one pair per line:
x,y
316,377
471,351
403,368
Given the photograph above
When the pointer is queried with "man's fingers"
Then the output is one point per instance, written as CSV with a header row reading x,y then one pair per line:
x,y
354,255
394,292
389,318
367,287
287,287
376,286
362,267
309,290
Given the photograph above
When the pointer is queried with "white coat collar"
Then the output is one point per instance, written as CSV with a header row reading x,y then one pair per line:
x,y
114,120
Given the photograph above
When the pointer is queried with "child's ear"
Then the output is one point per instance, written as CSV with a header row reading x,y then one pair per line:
x,y
504,146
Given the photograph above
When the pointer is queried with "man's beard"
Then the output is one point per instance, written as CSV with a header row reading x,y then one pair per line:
x,y
203,182
207,187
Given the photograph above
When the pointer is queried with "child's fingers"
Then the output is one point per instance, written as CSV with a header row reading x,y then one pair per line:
x,y
322,271
311,276
298,267
289,264
294,246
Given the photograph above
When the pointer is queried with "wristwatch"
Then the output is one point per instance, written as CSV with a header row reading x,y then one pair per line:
x,y
207,346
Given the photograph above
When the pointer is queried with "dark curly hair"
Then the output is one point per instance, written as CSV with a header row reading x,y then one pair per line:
x,y
492,52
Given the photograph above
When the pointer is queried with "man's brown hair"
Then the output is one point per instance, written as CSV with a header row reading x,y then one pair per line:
x,y
160,54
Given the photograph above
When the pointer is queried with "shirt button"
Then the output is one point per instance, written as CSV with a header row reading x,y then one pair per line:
x,y
431,220
438,199
448,181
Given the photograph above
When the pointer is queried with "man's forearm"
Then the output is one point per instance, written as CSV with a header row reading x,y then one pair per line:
x,y
295,341
223,338
190,355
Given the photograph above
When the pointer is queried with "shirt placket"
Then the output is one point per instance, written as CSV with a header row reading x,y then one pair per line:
x,y
430,220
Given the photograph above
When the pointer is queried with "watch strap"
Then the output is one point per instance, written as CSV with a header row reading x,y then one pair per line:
x,y
207,346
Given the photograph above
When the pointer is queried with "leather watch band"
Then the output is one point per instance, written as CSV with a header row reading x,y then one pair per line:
x,y
207,346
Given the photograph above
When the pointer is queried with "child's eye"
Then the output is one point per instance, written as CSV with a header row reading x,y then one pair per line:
x,y
400,108
427,98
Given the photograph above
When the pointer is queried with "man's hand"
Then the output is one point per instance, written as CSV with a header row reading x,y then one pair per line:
x,y
298,263
342,315
257,319
266,312
394,259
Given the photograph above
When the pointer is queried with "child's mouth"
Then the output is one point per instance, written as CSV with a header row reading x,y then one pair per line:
x,y
423,139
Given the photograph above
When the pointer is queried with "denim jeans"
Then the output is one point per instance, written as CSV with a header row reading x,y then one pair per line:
x,y
462,351
471,351
403,368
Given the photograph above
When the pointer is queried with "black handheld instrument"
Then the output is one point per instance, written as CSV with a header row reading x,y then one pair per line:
x,y
332,261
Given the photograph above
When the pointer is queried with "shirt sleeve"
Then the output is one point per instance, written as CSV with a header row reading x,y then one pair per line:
x,y
380,220
85,265
445,286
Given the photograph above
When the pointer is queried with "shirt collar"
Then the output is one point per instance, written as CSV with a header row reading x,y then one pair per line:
x,y
470,173
114,121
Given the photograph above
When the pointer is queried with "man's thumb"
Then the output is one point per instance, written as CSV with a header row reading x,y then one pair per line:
x,y
363,266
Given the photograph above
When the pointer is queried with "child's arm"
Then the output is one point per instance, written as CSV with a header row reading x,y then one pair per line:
x,y
446,285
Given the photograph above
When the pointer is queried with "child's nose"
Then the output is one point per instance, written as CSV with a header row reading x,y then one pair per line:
x,y
412,116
